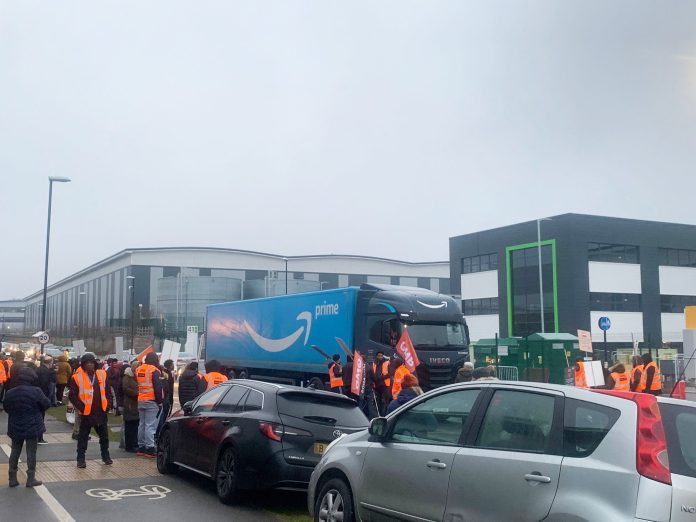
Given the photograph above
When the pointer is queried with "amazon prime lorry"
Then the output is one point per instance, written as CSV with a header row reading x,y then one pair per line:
x,y
290,338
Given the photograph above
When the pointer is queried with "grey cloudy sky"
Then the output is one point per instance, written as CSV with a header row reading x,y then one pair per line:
x,y
376,128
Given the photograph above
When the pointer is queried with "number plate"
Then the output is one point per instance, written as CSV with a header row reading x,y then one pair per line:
x,y
320,447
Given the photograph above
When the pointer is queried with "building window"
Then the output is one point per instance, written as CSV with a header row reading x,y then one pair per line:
x,y
677,257
524,287
205,272
482,263
612,253
485,306
675,304
609,302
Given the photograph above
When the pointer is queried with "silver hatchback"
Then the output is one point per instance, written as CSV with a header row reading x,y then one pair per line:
x,y
494,451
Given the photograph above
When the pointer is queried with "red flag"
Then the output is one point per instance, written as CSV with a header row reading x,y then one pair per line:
x,y
356,383
407,352
141,356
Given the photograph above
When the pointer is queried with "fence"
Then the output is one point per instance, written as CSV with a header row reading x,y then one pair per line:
x,y
508,373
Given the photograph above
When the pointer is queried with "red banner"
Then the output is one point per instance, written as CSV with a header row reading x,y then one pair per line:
x,y
356,383
407,352
141,356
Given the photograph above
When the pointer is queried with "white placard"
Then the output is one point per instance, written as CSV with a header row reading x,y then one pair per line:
x,y
118,342
201,347
594,373
166,350
176,348
502,351
585,341
557,346
79,348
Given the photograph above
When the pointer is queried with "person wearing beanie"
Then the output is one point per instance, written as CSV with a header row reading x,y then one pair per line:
x,y
409,391
88,394
25,405
150,397
465,373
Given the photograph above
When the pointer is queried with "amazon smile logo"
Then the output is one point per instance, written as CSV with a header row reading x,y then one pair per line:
x,y
278,345
443,304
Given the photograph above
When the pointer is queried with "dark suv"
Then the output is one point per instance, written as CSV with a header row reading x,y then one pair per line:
x,y
249,435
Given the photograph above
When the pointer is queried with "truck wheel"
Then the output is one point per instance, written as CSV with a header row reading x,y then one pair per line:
x,y
243,374
316,383
232,374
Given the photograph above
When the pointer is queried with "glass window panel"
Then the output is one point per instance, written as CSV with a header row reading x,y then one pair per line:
x,y
484,264
692,258
466,265
475,264
673,257
494,261
683,258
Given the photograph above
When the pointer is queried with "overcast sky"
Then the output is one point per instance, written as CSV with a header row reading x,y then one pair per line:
x,y
375,128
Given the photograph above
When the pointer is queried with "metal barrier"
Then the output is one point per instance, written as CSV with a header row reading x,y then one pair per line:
x,y
508,373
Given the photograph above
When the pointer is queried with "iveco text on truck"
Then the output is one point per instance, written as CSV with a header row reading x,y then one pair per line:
x,y
273,338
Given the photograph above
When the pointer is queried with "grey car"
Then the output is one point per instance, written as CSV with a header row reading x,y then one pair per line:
x,y
497,451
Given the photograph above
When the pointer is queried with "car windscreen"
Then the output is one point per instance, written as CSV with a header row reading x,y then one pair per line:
x,y
680,427
321,409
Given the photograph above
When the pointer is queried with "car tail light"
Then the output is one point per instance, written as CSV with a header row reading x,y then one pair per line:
x,y
651,446
276,431
652,459
271,430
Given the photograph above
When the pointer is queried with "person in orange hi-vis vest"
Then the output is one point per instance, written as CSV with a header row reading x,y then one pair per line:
x,y
150,397
336,374
213,376
651,378
620,379
88,393
580,379
636,373
400,372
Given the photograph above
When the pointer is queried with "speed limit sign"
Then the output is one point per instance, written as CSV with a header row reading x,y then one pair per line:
x,y
43,338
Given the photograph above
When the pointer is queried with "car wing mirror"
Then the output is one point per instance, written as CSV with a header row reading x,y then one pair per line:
x,y
188,407
378,427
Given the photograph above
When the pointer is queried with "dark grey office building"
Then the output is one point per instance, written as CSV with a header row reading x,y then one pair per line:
x,y
640,274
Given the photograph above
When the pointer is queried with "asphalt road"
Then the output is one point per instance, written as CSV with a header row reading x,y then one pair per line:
x,y
131,489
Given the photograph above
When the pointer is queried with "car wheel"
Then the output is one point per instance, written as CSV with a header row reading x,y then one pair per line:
x,y
226,478
334,503
164,452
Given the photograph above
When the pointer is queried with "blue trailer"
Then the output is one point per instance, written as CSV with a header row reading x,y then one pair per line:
x,y
288,338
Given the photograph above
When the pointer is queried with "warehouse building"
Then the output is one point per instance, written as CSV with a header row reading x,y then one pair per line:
x,y
640,274
170,288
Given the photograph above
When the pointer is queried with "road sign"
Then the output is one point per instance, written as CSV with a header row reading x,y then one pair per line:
x,y
43,338
604,323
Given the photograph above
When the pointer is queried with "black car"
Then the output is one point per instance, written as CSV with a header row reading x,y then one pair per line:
x,y
250,435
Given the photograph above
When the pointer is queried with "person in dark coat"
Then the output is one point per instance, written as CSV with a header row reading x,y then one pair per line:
x,y
15,371
409,391
190,384
168,392
131,418
25,405
97,416
47,375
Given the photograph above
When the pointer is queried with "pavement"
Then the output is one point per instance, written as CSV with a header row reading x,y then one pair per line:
x,y
131,488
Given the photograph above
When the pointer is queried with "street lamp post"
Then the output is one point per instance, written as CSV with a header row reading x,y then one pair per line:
x,y
81,313
51,180
132,314
286,275
541,273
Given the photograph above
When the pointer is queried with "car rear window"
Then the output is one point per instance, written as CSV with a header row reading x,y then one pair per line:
x,y
585,425
321,409
680,428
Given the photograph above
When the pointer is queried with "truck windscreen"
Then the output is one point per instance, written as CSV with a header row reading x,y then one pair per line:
x,y
437,336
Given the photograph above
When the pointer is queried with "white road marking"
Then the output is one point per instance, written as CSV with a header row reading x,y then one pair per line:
x,y
58,510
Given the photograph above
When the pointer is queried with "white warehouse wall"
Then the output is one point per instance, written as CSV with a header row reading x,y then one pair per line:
x,y
677,280
480,284
615,278
483,326
623,324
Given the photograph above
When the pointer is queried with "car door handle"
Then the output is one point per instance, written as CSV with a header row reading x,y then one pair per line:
x,y
436,464
537,477
225,422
